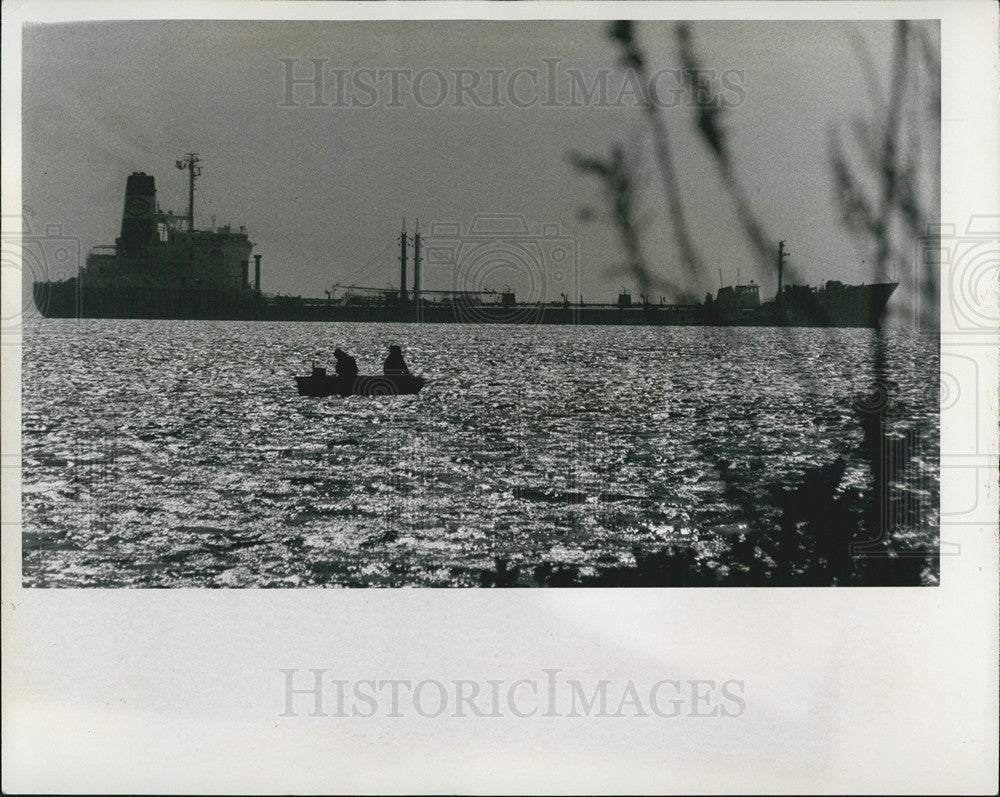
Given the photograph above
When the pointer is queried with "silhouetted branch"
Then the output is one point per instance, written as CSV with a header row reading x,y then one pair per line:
x,y
816,530
619,184
632,57
709,124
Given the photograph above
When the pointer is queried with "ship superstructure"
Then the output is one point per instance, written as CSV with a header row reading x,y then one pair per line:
x,y
160,265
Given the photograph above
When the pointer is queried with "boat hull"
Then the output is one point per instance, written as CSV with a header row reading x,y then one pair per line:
x,y
321,385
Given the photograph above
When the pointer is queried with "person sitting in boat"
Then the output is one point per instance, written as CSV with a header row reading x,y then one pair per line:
x,y
346,365
394,364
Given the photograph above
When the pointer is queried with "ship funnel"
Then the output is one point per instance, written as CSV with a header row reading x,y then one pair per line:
x,y
256,272
139,213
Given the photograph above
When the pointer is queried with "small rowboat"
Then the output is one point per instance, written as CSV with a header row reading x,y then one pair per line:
x,y
319,383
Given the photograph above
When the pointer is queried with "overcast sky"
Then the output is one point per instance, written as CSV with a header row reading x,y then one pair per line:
x,y
323,189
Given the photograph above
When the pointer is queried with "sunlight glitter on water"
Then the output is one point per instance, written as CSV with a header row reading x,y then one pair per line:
x,y
179,453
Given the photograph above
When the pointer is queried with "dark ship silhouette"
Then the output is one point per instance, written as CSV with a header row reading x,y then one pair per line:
x,y
161,267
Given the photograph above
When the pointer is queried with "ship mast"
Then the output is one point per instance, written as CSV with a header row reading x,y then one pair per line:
x,y
402,264
782,254
416,265
190,162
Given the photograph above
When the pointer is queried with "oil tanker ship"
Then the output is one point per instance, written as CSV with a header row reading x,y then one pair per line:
x,y
161,267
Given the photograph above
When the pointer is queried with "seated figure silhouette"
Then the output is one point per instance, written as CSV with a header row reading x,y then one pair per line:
x,y
346,366
394,364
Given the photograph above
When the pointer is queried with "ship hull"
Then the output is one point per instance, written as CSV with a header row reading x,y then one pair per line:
x,y
843,306
68,300
852,306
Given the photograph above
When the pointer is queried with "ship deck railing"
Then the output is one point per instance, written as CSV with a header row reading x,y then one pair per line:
x,y
356,301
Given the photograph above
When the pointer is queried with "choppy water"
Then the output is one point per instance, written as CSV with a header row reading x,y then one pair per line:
x,y
179,454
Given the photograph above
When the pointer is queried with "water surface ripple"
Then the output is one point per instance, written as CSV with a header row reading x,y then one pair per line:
x,y
177,453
